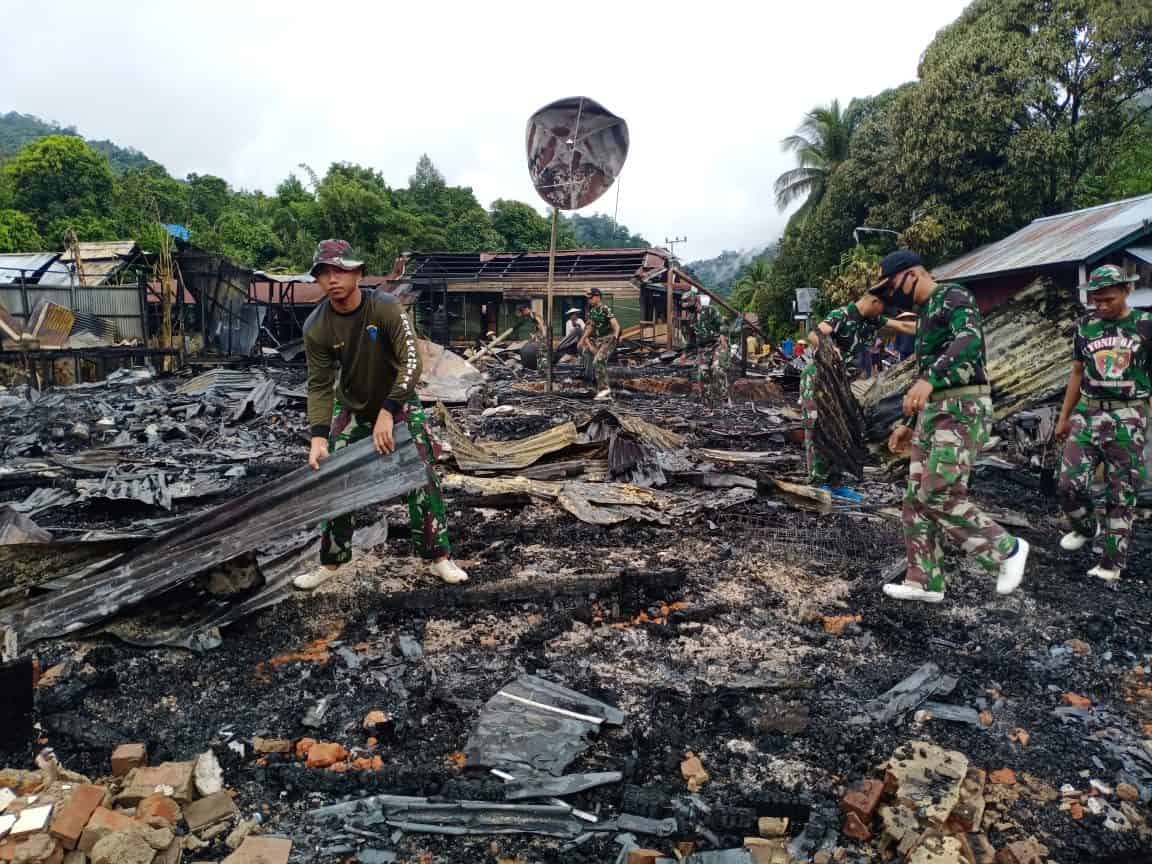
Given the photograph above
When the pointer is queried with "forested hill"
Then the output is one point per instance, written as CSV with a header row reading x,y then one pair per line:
x,y
719,273
16,130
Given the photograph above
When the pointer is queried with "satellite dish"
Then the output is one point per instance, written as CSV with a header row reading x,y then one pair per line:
x,y
576,148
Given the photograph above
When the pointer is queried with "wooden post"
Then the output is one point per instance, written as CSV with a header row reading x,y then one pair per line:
x,y
548,305
668,299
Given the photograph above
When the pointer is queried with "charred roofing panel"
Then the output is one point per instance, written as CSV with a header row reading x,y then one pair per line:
x,y
98,262
1068,238
570,264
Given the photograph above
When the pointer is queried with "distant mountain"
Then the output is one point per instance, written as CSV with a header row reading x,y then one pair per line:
x,y
720,272
16,130
600,231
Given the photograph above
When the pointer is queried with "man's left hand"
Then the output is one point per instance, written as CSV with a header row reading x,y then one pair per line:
x,y
916,398
382,433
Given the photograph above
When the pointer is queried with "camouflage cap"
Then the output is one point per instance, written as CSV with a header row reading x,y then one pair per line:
x,y
336,253
1109,274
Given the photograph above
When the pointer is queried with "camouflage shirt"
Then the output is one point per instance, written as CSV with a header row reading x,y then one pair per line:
x,y
851,331
1117,356
600,321
950,339
707,326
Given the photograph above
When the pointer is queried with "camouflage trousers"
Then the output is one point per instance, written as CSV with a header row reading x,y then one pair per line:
x,y
948,434
600,348
543,355
1115,441
427,518
819,472
712,362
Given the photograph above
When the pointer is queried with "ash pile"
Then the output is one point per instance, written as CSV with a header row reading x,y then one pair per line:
x,y
670,649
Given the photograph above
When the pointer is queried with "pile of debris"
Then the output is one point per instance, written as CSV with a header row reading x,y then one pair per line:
x,y
140,814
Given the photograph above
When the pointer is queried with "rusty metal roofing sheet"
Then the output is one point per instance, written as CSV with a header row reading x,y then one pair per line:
x,y
99,262
1068,238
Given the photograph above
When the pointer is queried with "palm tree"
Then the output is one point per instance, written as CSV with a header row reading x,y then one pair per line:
x,y
749,288
820,145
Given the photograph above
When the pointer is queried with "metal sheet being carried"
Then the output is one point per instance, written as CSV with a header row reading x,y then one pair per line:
x,y
353,478
576,148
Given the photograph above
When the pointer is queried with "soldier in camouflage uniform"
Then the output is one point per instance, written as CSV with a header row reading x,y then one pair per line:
x,y
599,340
363,369
713,351
850,327
538,337
1105,419
952,399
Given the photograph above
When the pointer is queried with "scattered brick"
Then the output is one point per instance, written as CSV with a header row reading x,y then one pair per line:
x,y
1079,647
644,856
693,770
271,745
38,849
128,756
304,745
1003,777
103,823
1021,737
862,798
209,810
1077,701
856,829
122,848
835,625
144,781
71,816
772,826
261,850
1021,852
326,754
159,806
1076,810
1128,792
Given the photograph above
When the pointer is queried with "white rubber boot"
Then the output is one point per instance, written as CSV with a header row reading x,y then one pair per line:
x,y
447,571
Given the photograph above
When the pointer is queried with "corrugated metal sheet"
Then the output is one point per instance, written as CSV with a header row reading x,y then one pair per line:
x,y
24,265
99,262
109,302
1144,253
1067,238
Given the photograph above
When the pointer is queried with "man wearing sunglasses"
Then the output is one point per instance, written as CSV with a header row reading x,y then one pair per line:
x,y
949,414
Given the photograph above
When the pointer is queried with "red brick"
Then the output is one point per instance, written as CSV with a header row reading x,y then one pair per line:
x,y
261,850
159,807
209,810
72,816
325,754
143,782
644,856
862,798
856,829
1003,777
103,823
40,848
128,756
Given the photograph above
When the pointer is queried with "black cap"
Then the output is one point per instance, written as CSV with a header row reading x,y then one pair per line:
x,y
594,292
893,264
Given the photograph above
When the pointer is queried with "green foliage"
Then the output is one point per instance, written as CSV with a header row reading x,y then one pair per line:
x,y
60,177
600,231
858,269
522,228
19,130
720,274
820,144
18,234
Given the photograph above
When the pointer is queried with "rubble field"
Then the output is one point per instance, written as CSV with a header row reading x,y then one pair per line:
x,y
682,626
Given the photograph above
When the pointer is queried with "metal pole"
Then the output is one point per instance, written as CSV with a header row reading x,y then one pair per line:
x,y
668,300
551,275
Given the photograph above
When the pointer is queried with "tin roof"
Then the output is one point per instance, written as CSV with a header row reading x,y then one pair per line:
x,y
99,261
574,264
24,265
1069,238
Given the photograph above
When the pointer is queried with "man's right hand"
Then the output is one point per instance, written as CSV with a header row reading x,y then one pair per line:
x,y
899,439
318,453
1063,427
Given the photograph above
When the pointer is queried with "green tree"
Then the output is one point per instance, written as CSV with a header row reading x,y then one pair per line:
x,y
247,240
146,195
208,196
600,231
820,144
523,229
750,286
60,177
18,234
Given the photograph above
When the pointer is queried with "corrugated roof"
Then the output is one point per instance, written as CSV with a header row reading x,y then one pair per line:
x,y
1068,238
1144,253
570,264
24,265
99,261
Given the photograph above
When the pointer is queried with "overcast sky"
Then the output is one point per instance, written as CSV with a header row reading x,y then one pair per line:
x,y
248,89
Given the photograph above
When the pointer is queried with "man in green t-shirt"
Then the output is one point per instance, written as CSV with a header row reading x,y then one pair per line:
x,y
364,338
949,411
599,340
1105,419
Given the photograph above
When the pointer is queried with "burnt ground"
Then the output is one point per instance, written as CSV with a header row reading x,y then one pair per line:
x,y
741,597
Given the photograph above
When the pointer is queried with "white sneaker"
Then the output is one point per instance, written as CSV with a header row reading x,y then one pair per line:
x,y
912,591
1073,542
1012,570
1107,575
604,395
447,571
315,578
